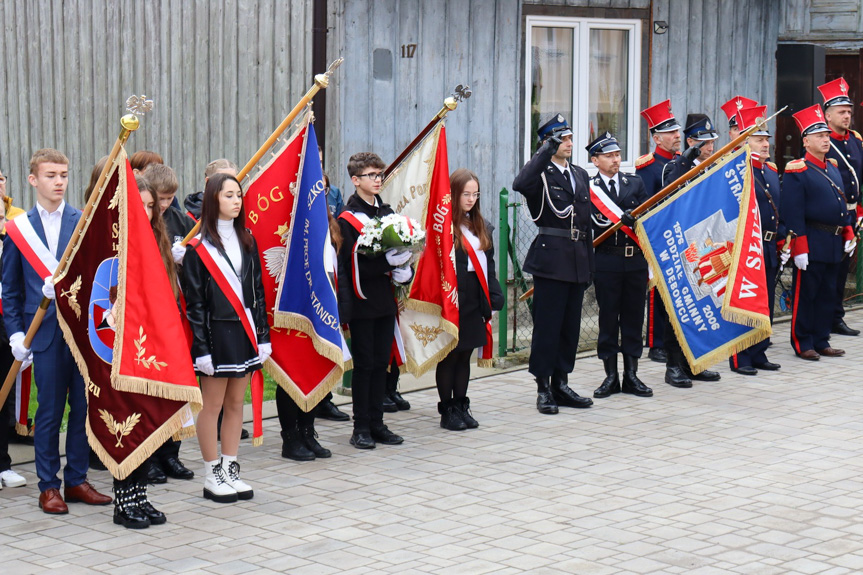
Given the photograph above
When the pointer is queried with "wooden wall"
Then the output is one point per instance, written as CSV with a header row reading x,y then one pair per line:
x,y
836,24
222,74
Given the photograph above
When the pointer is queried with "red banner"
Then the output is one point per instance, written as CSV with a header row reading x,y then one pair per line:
x,y
121,321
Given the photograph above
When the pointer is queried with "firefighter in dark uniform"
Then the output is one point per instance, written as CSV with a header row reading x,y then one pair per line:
x,y
731,107
560,259
815,208
767,193
621,270
665,132
846,148
700,137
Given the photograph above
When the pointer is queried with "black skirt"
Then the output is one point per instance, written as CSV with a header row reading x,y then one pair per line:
x,y
471,326
233,353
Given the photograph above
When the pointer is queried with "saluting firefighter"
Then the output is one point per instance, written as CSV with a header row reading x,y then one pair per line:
x,y
621,270
665,132
560,259
731,107
767,193
815,208
847,149
700,138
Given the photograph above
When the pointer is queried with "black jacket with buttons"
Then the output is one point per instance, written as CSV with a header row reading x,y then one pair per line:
x,y
630,195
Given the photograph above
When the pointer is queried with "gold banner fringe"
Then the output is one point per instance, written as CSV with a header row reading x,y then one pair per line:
x,y
257,441
143,451
295,321
419,369
305,402
160,389
485,363
343,391
22,430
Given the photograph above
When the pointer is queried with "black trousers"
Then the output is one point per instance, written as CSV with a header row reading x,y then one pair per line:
x,y
556,325
839,310
7,410
170,448
814,293
657,320
620,296
757,354
290,414
371,343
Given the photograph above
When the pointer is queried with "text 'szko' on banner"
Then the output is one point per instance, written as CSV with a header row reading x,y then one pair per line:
x,y
705,250
307,360
121,321
419,188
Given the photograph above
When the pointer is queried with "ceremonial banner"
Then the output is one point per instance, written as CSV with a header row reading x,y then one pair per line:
x,y
419,188
120,319
704,248
296,364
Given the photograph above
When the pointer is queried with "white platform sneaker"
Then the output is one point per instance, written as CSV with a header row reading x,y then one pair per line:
x,y
216,486
243,489
9,478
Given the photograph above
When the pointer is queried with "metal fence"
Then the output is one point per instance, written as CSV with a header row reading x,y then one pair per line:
x,y
516,232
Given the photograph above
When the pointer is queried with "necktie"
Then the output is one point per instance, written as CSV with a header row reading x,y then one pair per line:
x,y
612,188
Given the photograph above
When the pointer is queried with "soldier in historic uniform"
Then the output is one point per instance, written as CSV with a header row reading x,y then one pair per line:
x,y
665,132
621,270
700,137
846,148
815,209
560,259
773,232
731,107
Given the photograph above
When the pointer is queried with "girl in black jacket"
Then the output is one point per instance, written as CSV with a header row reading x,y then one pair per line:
x,y
472,241
222,348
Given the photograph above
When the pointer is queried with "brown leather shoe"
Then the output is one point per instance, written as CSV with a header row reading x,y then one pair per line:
x,y
809,354
85,493
832,352
51,502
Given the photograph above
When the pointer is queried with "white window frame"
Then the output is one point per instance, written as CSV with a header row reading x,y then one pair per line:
x,y
581,40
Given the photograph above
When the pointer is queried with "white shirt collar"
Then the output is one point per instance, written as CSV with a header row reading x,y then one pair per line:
x,y
44,214
606,179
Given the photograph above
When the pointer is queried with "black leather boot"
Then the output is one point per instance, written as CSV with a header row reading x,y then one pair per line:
x,y
564,395
293,446
155,516
705,375
450,418
631,383
611,383
328,410
126,510
309,435
463,405
674,373
544,400
393,394
389,405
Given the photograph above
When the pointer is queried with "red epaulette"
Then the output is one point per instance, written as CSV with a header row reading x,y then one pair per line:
x,y
644,160
798,165
772,166
857,135
833,161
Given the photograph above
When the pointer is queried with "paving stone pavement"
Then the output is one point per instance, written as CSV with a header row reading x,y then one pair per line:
x,y
751,475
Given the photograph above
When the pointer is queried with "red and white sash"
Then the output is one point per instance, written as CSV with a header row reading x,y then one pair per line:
x,y
608,208
31,246
481,269
358,221
227,280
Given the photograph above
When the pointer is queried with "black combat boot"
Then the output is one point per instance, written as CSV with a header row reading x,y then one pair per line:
x,y
611,383
155,516
310,439
450,418
544,400
631,383
674,373
126,510
463,405
293,446
564,395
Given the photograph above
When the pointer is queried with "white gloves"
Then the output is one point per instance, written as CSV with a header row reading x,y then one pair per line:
x,y
48,288
205,365
402,275
784,257
21,353
396,258
850,245
801,261
265,350
178,251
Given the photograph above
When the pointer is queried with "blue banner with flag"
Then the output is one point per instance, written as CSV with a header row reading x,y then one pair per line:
x,y
704,248
306,298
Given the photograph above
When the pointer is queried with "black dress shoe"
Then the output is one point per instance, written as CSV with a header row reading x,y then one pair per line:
x,y
244,434
745,370
565,396
362,440
383,435
705,375
389,405
328,410
768,366
155,474
841,328
401,403
175,469
657,354
676,377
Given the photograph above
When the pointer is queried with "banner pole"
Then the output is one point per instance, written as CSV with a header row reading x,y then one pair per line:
x,y
321,81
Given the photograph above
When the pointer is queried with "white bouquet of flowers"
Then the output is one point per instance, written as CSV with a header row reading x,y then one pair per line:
x,y
390,232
